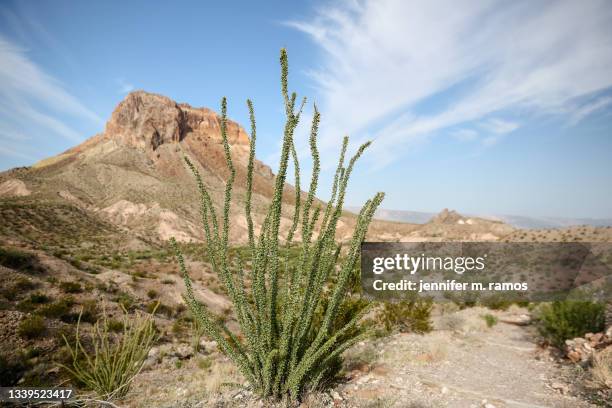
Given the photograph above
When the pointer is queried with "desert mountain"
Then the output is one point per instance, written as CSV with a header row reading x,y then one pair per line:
x,y
132,175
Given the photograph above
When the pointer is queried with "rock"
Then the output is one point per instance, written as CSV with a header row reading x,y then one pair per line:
x,y
183,352
207,347
521,320
564,389
574,356
146,121
154,352
14,187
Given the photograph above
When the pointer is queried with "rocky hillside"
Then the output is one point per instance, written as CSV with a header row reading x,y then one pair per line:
x,y
133,176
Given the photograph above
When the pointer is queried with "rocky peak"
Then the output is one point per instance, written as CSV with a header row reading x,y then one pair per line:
x,y
446,216
146,121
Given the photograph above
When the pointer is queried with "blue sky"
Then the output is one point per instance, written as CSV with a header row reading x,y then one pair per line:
x,y
488,108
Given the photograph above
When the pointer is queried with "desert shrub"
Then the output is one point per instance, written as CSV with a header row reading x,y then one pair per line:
x,y
152,293
125,300
407,315
463,299
20,260
12,369
89,311
111,363
22,284
32,327
490,320
59,309
32,302
157,307
114,325
283,354
39,298
71,287
496,302
601,371
563,320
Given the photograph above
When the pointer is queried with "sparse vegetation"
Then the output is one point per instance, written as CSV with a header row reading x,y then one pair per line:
x,y
32,327
89,311
59,309
601,371
282,355
114,325
563,320
407,315
490,320
20,260
71,287
11,370
110,366
23,284
125,300
157,307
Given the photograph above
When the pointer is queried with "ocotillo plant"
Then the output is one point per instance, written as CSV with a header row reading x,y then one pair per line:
x,y
289,338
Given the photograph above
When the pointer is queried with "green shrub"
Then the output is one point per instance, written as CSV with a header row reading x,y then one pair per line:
x,y
11,370
23,284
114,325
39,298
563,320
125,300
157,307
71,287
20,260
58,310
490,320
32,302
496,302
111,364
89,311
407,315
32,327
281,352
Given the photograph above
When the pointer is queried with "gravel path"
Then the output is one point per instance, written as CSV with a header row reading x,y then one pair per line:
x,y
462,364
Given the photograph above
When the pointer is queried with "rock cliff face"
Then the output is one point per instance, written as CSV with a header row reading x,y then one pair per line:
x,y
146,121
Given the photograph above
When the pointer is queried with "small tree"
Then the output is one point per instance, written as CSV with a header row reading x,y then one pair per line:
x,y
290,339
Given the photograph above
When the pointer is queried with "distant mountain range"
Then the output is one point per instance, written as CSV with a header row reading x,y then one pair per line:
x,y
517,221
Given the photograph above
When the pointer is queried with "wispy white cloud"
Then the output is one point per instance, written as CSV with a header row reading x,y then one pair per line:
x,y
382,58
31,97
500,126
24,80
590,108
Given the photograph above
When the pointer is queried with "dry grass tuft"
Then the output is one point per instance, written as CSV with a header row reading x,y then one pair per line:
x,y
221,374
601,372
